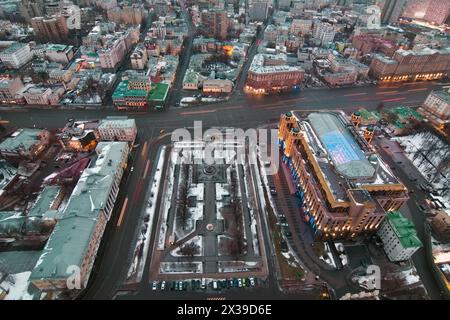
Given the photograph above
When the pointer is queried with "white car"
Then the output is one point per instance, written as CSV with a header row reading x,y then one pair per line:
x,y
240,283
252,282
132,169
155,285
163,285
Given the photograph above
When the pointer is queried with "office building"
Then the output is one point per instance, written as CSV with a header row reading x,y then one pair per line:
x,y
345,188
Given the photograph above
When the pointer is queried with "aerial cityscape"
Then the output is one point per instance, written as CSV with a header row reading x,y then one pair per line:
x,y
225,150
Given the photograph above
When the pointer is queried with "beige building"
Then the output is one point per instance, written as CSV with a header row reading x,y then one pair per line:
x,y
436,108
217,86
9,89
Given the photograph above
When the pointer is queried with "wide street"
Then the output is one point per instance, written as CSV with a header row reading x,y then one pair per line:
x,y
241,111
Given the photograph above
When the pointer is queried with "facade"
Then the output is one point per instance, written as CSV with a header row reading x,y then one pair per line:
x,y
9,89
59,53
406,65
72,15
37,95
16,56
269,73
25,143
132,94
134,14
392,10
436,108
215,23
344,187
52,28
258,10
367,43
60,76
437,11
217,86
117,129
399,237
301,27
112,54
75,239
323,32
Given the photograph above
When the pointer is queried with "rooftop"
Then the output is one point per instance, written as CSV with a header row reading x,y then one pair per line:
x,y
22,139
443,95
69,241
44,202
342,155
122,91
159,92
116,122
342,148
259,64
404,228
14,47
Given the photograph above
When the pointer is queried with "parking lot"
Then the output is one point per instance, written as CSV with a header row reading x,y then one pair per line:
x,y
202,285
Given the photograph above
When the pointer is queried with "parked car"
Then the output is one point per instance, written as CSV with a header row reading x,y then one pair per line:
x,y
247,282
252,282
203,285
163,285
214,285
273,191
231,283
239,283
155,285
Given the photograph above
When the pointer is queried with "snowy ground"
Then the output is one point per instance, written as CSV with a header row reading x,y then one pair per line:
x,y
408,277
221,191
219,206
340,249
181,267
17,285
167,201
430,155
329,259
237,266
197,190
144,239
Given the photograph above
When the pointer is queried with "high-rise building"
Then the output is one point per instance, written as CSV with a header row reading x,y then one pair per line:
x,y
32,8
343,185
72,14
323,32
258,10
112,53
392,10
17,55
399,237
215,23
134,14
52,28
437,12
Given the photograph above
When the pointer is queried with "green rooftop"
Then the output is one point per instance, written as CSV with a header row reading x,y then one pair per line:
x,y
369,115
407,112
58,47
159,92
404,229
69,241
44,202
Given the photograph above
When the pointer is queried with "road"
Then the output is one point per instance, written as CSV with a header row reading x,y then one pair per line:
x,y
243,112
